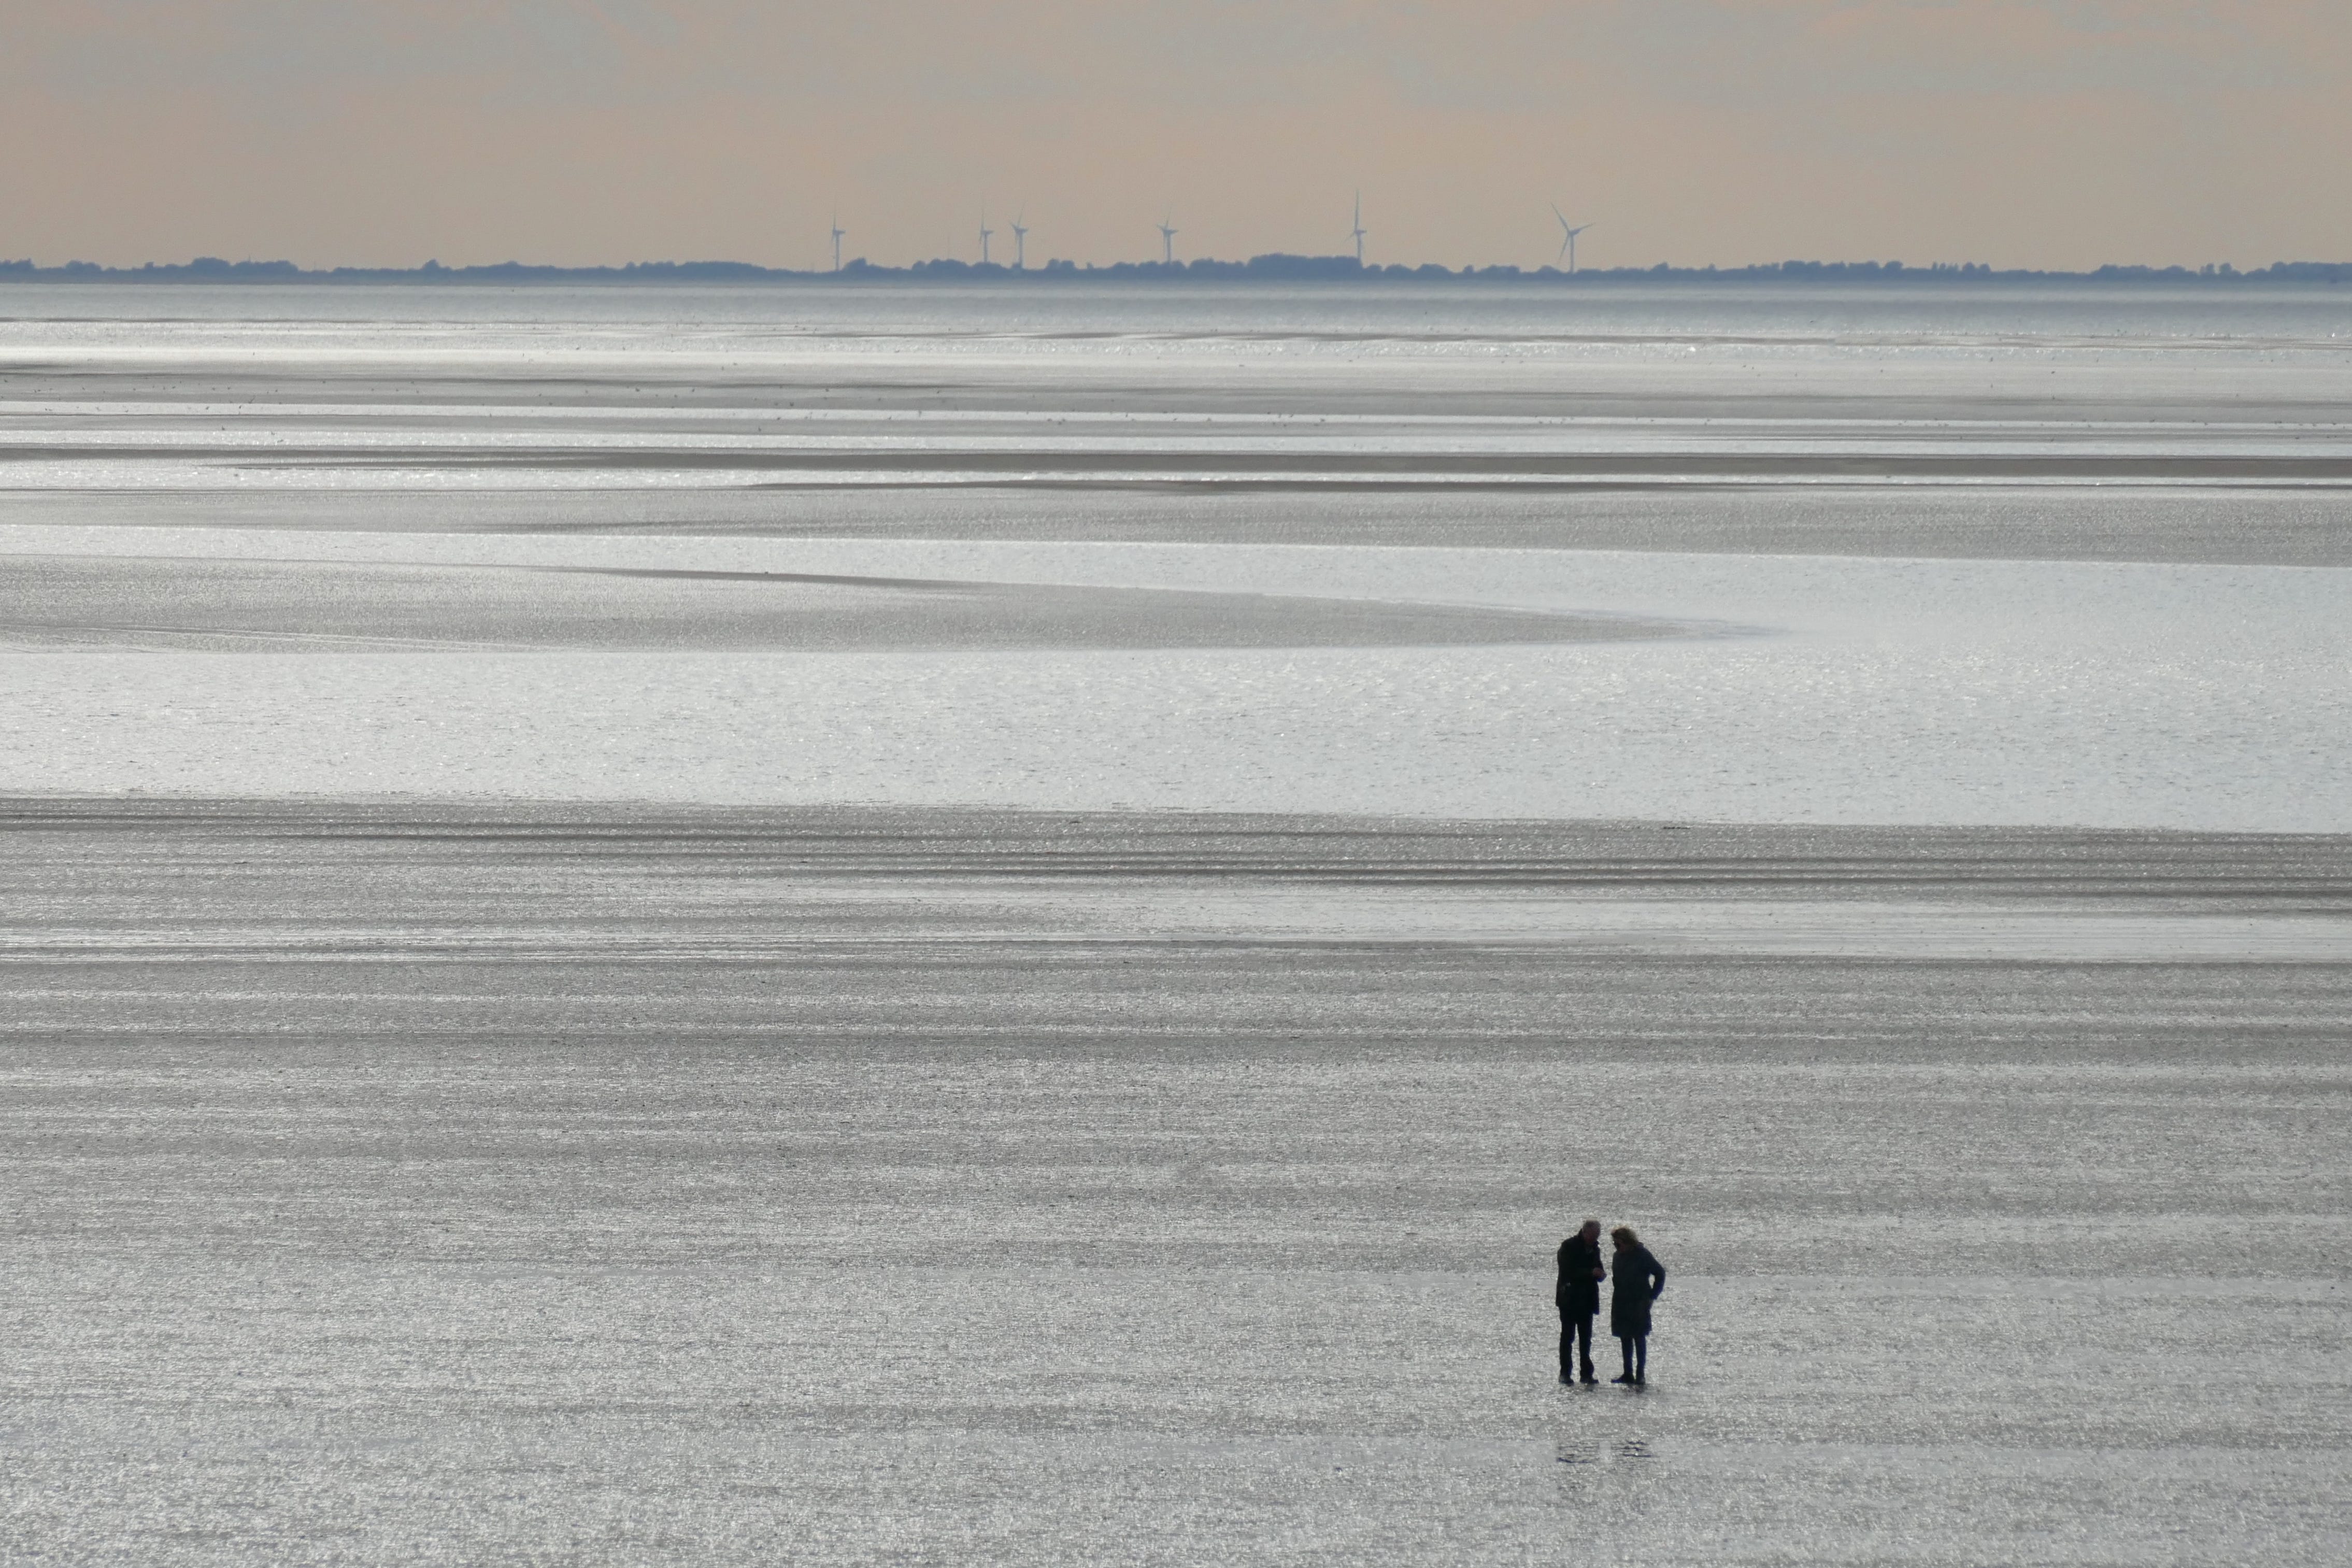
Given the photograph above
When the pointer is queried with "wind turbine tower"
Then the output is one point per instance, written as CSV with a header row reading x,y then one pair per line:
x,y
1359,230
1568,237
984,233
1020,246
838,232
1167,244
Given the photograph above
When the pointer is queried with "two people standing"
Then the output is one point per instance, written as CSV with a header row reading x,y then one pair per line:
x,y
1638,1277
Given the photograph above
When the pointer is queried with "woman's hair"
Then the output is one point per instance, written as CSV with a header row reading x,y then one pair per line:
x,y
1623,1237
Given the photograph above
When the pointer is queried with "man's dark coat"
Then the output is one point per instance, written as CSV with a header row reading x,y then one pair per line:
x,y
1578,1294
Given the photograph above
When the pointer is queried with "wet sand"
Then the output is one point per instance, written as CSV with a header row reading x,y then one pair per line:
x,y
972,926
2242,525
86,602
416,1181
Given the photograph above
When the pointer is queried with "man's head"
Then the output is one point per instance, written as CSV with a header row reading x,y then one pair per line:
x,y
1590,1231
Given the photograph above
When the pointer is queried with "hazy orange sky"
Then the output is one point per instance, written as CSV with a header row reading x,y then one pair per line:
x,y
2021,133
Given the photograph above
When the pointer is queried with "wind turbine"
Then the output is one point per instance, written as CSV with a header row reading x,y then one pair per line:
x,y
1567,236
984,232
1359,230
1167,244
1020,246
838,232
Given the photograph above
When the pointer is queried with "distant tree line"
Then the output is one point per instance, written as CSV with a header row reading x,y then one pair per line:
x,y
1275,267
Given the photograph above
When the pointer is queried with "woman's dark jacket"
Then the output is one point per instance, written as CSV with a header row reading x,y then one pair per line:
x,y
1578,1294
1640,1279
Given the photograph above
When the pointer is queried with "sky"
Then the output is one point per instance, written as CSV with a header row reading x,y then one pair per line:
x,y
2061,133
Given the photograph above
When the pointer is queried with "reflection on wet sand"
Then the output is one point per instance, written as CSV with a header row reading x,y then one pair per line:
x,y
364,1149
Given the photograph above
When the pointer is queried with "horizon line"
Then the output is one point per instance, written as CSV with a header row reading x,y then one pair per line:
x,y
1275,266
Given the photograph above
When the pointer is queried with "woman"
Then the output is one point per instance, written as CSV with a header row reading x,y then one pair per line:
x,y
1640,1280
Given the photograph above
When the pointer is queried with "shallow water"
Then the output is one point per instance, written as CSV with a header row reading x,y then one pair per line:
x,y
1480,683
1755,555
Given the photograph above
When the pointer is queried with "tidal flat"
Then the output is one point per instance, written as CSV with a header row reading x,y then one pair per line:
x,y
401,1182
687,925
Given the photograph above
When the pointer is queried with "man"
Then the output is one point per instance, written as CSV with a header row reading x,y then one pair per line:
x,y
1578,1296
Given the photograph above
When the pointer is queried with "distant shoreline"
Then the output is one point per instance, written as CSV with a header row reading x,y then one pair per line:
x,y
1272,268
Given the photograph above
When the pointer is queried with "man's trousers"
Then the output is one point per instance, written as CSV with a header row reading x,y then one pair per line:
x,y
1575,1337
